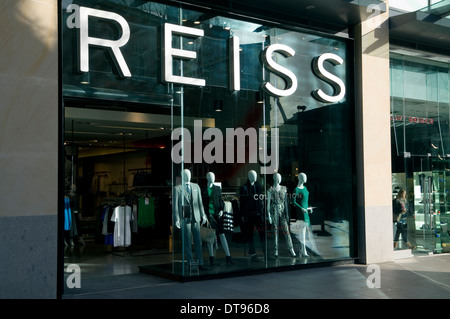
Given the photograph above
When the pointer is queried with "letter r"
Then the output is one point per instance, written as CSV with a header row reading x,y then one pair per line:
x,y
85,40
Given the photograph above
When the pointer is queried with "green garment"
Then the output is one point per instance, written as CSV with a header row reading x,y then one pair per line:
x,y
211,202
301,201
146,212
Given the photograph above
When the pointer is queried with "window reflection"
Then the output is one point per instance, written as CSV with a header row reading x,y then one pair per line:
x,y
420,140
282,191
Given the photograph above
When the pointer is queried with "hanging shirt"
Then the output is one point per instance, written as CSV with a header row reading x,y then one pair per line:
x,y
67,214
122,217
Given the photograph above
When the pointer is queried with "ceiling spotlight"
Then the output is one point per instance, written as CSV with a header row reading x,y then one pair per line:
x,y
259,97
85,78
218,105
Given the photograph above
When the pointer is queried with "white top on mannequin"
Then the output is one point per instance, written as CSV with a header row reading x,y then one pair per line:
x,y
210,177
252,177
301,180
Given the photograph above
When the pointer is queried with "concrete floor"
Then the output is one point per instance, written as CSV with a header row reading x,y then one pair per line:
x,y
417,277
117,276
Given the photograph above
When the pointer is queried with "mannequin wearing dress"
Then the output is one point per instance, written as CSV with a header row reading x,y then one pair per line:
x,y
301,199
277,212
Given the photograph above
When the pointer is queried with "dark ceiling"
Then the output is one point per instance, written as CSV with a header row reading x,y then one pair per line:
x,y
427,28
329,15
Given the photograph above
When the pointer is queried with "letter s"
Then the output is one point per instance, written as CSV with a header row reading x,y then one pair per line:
x,y
288,76
323,74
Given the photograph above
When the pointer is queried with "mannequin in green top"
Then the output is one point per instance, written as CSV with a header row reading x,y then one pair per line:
x,y
214,206
301,198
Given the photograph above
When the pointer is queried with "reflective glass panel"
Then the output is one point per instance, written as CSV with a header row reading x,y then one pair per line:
x,y
420,144
192,118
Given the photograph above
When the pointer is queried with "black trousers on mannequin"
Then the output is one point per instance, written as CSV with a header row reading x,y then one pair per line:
x,y
254,221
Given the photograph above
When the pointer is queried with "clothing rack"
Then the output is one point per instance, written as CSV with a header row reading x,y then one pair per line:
x,y
120,201
129,200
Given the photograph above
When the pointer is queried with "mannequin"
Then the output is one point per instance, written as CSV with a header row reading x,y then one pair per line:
x,y
301,199
214,206
189,212
277,212
252,211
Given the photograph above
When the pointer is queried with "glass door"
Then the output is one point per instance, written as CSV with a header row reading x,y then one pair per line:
x,y
420,149
431,206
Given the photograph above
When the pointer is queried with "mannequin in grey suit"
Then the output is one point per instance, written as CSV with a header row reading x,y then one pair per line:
x,y
189,212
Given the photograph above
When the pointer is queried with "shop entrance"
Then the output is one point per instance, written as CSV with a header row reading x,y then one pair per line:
x,y
117,187
427,185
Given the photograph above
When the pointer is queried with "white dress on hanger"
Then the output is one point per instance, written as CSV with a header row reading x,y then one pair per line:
x,y
122,216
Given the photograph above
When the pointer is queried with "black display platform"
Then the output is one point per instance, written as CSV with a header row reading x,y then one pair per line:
x,y
241,266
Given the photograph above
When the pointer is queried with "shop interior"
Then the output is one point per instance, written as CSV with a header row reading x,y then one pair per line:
x,y
121,156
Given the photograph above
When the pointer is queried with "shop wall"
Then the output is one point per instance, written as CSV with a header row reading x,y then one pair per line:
x,y
373,140
28,148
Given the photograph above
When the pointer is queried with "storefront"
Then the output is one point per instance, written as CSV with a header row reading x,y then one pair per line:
x,y
420,142
110,107
419,85
157,96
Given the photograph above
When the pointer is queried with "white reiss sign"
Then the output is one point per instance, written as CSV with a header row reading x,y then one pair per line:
x,y
80,20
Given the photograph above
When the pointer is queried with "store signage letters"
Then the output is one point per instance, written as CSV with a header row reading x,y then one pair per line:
x,y
80,20
412,119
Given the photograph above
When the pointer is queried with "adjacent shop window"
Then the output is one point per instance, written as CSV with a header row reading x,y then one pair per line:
x,y
179,117
420,147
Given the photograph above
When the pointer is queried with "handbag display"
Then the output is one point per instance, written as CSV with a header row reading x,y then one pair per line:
x,y
207,233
